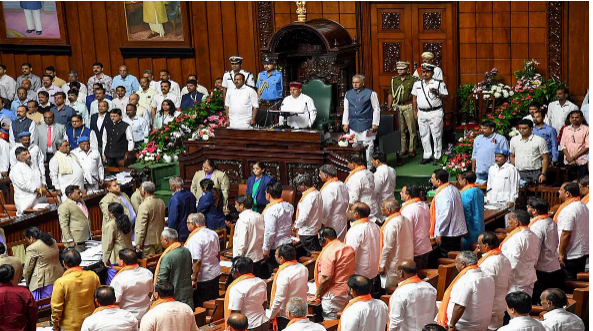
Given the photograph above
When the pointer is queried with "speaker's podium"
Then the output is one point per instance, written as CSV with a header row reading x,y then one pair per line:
x,y
284,152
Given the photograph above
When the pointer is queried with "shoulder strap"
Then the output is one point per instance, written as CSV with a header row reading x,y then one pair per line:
x,y
424,92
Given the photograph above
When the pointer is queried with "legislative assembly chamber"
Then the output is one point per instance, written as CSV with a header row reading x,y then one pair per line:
x,y
294,165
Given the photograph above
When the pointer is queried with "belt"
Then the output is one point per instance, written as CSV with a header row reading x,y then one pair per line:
x,y
431,109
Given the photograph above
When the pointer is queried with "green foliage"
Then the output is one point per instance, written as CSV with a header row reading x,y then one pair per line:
x,y
463,93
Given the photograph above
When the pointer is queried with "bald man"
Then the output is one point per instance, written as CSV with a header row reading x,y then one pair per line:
x,y
396,230
412,305
237,322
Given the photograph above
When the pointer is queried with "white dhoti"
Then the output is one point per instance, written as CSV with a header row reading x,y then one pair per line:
x,y
239,121
33,16
431,123
368,142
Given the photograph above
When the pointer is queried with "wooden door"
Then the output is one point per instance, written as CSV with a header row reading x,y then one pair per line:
x,y
403,31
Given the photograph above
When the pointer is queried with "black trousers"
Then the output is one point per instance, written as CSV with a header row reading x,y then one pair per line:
x,y
447,244
421,261
113,161
271,263
576,171
282,322
546,280
205,291
310,244
574,266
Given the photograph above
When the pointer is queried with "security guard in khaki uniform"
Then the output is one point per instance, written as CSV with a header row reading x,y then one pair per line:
x,y
400,100
228,79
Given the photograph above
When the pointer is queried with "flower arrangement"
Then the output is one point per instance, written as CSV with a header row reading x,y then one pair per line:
x,y
457,158
491,85
150,154
349,138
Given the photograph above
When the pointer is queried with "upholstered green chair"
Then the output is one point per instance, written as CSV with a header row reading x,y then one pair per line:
x,y
323,97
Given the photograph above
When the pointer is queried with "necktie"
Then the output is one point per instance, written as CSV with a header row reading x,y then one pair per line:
x,y
49,136
84,210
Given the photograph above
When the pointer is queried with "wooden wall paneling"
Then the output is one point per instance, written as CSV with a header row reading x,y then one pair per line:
x,y
18,60
87,41
201,36
218,63
146,64
158,64
74,38
35,60
174,67
99,34
46,61
188,66
246,42
229,29
62,66
578,49
8,61
114,35
133,68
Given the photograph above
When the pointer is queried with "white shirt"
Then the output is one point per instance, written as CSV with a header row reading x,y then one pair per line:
x,y
499,267
241,103
412,306
335,206
561,320
248,296
384,182
155,85
101,119
438,74
365,238
475,292
361,188
365,316
528,153
95,107
82,93
305,325
110,319
310,210
199,88
523,323
172,315
503,183
575,217
129,138
304,106
37,158
61,181
80,109
557,114
419,214
205,246
140,128
157,100
522,250
228,80
376,110
132,290
547,232
425,99
120,103
26,181
396,248
450,218
9,85
248,239
278,223
4,156
32,131
291,282
174,88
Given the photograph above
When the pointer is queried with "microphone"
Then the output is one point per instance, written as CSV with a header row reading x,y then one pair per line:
x,y
55,197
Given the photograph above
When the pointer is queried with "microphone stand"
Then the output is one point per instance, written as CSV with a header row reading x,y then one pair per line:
x,y
55,197
4,207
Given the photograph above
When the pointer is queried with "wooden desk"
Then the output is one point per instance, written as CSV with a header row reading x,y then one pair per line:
x,y
492,216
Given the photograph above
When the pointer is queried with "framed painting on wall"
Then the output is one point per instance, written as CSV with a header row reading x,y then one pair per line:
x,y
33,27
156,29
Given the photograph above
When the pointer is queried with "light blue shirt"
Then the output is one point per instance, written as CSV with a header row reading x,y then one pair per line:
x,y
450,217
550,136
484,148
80,109
274,90
16,103
130,83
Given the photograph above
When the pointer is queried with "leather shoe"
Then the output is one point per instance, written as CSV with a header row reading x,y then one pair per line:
x,y
435,162
424,161
412,154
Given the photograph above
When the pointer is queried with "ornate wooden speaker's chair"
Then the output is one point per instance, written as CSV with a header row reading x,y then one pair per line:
x,y
323,97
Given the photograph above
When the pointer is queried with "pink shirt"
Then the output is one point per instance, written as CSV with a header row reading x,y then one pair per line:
x,y
574,141
337,260
419,214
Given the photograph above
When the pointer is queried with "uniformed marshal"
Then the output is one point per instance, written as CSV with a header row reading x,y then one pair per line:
x,y
400,99
301,104
228,79
429,94
269,82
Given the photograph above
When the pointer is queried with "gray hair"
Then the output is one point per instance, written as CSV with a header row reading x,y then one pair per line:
x,y
468,257
177,181
61,141
148,187
197,218
147,71
303,179
329,170
362,77
170,234
391,205
72,72
297,307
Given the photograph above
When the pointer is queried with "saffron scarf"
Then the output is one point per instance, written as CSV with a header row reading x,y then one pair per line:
x,y
467,187
442,318
329,181
227,312
296,319
301,200
517,229
159,301
433,209
566,203
357,169
98,309
383,228
407,203
360,221
273,292
495,251
158,265
585,199
537,218
362,298
71,270
196,230
273,202
128,267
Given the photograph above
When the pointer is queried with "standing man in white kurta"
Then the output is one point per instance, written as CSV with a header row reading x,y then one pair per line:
x,y
278,223
384,177
363,313
300,104
418,212
248,239
309,213
395,235
429,94
247,295
334,196
361,185
65,170
241,104
90,160
413,303
495,264
573,229
364,237
26,179
362,114
521,247
37,157
503,180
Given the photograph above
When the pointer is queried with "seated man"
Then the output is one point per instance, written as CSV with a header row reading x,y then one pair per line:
x,y
557,318
296,310
300,104
167,314
518,307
